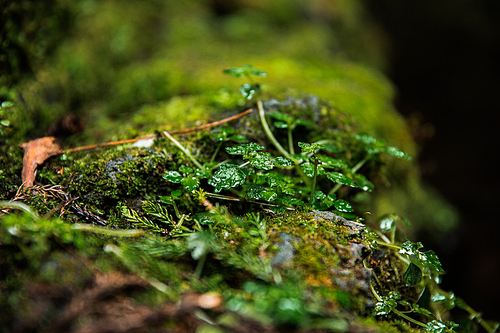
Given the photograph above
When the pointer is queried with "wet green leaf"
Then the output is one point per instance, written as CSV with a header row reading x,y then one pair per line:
x,y
201,173
191,183
405,303
283,161
364,183
412,275
7,104
302,122
388,303
269,195
433,261
244,149
274,181
236,72
175,194
382,308
204,218
329,162
280,124
387,224
427,261
330,200
262,161
258,72
437,297
423,311
343,206
173,176
185,169
248,90
227,176
280,116
308,168
254,191
245,70
394,295
340,178
435,326
237,138
310,147
393,151
319,195
410,248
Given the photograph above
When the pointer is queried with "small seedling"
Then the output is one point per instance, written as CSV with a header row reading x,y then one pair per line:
x,y
248,90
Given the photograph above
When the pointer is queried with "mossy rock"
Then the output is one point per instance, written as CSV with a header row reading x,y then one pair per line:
x,y
166,235
131,235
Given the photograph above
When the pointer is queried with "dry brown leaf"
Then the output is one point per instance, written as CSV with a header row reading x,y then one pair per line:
x,y
35,153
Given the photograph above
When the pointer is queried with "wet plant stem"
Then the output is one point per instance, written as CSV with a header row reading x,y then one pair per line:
x,y
290,141
177,213
199,266
184,150
353,171
360,163
313,185
272,138
270,135
396,311
216,152
478,317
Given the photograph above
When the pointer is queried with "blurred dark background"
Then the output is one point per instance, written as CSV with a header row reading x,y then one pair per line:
x,y
444,61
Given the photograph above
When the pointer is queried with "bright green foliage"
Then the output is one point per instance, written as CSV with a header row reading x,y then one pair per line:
x,y
283,161
412,275
310,147
375,146
284,120
437,326
340,178
134,68
309,168
173,176
389,222
244,71
246,150
343,206
248,90
387,303
286,264
427,261
227,176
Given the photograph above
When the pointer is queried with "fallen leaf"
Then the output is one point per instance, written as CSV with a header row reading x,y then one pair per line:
x,y
35,153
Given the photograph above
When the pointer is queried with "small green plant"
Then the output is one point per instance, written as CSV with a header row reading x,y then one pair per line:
x,y
4,123
292,173
423,271
248,90
159,220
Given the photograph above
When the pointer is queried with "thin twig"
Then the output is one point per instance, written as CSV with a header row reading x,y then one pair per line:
x,y
152,136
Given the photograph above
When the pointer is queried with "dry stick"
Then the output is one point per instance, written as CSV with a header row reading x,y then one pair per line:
x,y
152,136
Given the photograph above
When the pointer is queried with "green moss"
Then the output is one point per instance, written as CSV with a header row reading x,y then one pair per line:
x,y
133,69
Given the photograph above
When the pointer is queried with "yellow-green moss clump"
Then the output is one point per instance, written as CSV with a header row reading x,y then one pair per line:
x,y
250,239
